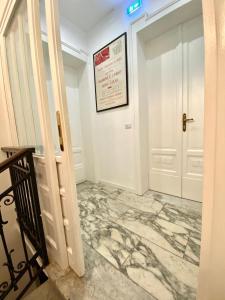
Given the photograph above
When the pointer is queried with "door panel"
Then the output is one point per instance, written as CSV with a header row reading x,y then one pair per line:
x,y
164,67
74,110
193,106
21,48
68,195
176,86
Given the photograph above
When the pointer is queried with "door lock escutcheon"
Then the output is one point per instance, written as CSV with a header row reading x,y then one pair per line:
x,y
60,130
185,120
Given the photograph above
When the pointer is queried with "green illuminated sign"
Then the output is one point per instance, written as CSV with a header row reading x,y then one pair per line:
x,y
134,6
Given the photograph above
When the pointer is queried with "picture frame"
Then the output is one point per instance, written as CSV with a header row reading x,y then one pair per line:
x,y
111,75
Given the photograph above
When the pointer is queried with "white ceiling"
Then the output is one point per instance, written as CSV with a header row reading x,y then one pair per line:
x,y
86,13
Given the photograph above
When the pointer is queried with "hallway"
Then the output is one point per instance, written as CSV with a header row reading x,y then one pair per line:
x,y
154,240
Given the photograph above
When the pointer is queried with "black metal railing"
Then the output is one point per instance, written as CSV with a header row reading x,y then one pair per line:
x,y
23,194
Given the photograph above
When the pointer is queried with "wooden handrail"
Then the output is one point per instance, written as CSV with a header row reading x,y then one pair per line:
x,y
16,149
19,152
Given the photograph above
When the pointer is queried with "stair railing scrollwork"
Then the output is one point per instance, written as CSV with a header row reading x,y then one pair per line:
x,y
23,195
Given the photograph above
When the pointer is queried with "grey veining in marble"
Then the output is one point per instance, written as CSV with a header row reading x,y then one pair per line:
x,y
111,241
153,240
145,204
167,235
162,274
101,281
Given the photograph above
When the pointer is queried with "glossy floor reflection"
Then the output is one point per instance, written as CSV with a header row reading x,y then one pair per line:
x,y
153,240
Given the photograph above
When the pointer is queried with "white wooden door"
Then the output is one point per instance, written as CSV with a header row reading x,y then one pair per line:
x,y
24,81
193,106
165,110
74,109
176,87
55,176
66,170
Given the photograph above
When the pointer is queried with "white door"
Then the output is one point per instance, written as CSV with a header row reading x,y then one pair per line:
x,y
74,109
66,170
193,106
176,86
22,45
24,82
165,110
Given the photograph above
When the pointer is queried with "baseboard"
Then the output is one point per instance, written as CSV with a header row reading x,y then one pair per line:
x,y
119,186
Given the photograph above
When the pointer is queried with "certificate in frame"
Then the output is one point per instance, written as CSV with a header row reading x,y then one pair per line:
x,y
111,75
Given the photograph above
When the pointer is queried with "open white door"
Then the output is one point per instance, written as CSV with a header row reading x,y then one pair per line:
x,y
26,91
66,169
25,86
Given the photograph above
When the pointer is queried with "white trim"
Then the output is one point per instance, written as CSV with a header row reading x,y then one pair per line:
x,y
164,8
7,15
69,49
8,95
71,211
44,115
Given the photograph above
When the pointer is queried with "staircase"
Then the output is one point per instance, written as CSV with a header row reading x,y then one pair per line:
x,y
46,291
23,252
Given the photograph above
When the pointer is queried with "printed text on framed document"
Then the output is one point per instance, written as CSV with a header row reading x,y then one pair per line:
x,y
111,76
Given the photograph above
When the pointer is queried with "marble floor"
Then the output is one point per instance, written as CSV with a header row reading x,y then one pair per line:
x,y
147,247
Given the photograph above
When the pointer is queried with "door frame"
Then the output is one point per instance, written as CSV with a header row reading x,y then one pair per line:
x,y
59,251
214,149
138,89
212,263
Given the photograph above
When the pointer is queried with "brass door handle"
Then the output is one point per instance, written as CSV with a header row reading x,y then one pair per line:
x,y
60,131
185,120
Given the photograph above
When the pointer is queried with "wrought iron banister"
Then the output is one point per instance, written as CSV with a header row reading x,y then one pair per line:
x,y
13,158
22,193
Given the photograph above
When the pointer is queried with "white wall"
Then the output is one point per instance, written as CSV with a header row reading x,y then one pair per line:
x,y
70,34
114,145
109,147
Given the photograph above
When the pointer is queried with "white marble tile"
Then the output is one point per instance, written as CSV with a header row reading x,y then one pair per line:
x,y
114,243
145,204
192,252
161,232
153,240
101,282
187,205
100,206
162,274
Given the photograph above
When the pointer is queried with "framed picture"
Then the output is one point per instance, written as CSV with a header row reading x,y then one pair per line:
x,y
111,75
